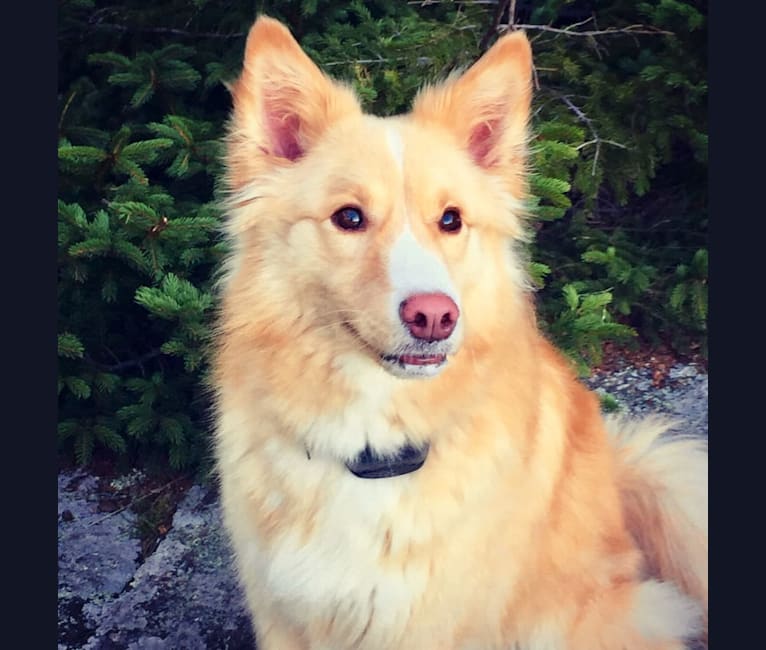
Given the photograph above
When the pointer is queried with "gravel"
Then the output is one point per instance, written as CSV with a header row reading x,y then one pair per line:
x,y
185,594
683,395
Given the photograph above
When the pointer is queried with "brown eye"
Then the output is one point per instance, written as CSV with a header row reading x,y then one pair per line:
x,y
349,219
450,221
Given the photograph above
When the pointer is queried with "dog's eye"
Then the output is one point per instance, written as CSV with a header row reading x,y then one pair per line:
x,y
349,219
450,221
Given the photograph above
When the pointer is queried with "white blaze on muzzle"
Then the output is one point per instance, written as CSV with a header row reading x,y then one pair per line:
x,y
413,270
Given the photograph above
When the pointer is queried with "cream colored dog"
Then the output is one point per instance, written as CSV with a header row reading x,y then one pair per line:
x,y
405,462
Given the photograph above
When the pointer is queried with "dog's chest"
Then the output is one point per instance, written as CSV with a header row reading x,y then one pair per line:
x,y
351,571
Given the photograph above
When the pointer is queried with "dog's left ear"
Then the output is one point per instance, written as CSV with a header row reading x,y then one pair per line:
x,y
487,107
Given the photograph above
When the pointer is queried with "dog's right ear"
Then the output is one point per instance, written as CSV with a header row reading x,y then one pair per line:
x,y
282,103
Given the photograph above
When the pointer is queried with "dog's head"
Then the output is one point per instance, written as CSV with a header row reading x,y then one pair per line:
x,y
387,237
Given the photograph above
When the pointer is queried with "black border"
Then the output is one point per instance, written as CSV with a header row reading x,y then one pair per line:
x,y
29,324
736,119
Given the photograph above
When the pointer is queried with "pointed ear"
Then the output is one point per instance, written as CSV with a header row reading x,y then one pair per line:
x,y
282,103
487,107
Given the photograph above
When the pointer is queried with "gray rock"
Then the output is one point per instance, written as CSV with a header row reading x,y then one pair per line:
x,y
184,595
97,554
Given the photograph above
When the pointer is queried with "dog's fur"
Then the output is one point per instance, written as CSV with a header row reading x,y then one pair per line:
x,y
534,524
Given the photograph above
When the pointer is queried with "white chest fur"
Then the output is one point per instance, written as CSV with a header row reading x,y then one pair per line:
x,y
339,574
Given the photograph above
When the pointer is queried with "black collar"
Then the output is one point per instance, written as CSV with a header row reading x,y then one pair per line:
x,y
406,459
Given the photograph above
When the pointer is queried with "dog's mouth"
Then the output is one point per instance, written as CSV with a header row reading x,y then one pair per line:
x,y
410,361
412,365
415,359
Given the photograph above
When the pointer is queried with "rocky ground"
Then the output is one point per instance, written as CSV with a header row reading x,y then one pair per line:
x,y
181,593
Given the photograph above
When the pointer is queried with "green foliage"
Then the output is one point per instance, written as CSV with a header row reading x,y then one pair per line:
x,y
609,403
149,72
688,296
617,213
584,323
638,184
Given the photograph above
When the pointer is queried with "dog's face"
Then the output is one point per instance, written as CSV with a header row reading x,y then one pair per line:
x,y
388,237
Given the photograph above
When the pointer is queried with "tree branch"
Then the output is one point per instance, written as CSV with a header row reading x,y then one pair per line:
x,y
421,60
493,28
135,501
609,31
166,30
597,139
426,3
122,365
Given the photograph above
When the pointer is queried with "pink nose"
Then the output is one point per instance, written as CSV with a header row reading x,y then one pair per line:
x,y
429,316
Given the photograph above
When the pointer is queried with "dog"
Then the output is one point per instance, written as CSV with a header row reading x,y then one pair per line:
x,y
405,461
